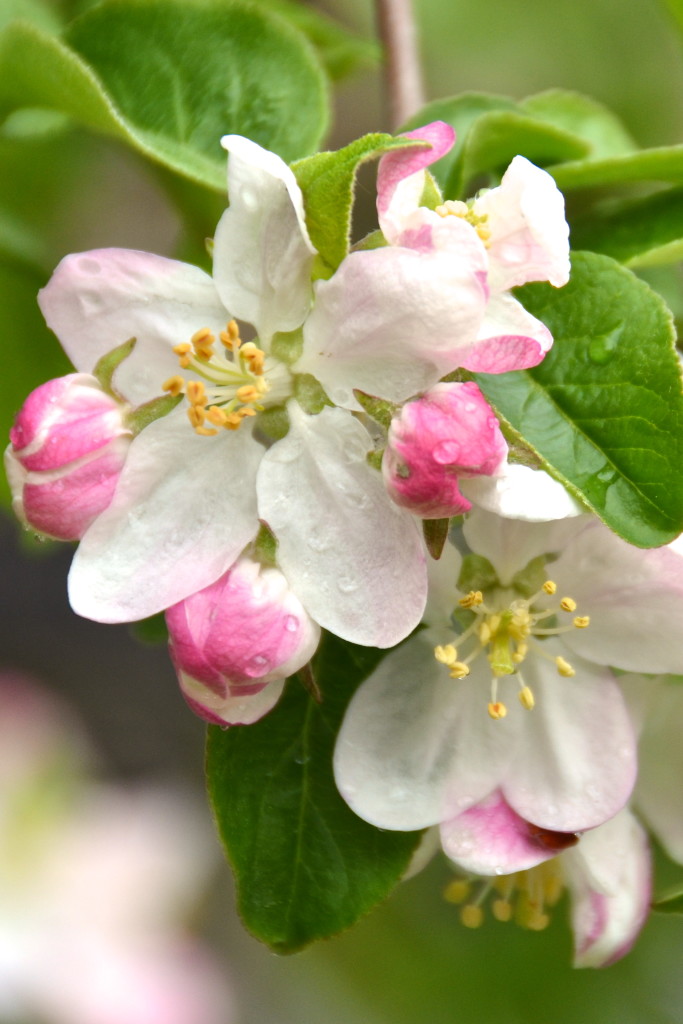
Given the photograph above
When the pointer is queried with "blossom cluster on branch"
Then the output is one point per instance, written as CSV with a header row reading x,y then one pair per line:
x,y
265,452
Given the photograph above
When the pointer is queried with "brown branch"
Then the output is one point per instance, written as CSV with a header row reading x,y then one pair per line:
x,y
402,72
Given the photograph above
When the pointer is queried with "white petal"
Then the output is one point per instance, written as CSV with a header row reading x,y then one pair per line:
x,y
262,253
354,559
576,761
659,793
405,739
519,492
443,595
609,874
634,598
391,322
183,510
510,544
96,301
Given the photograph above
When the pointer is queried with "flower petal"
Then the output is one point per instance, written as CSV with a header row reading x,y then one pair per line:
x,y
354,560
659,794
576,761
219,710
610,878
489,838
634,598
96,301
519,492
510,544
529,234
509,338
183,510
401,178
262,252
391,322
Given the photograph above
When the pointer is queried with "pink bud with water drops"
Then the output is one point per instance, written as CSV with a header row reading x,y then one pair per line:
x,y
67,448
448,433
235,642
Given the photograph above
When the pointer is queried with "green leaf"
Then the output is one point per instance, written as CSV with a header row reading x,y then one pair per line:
x,y
604,409
584,118
327,181
670,902
642,232
664,163
341,52
170,79
306,867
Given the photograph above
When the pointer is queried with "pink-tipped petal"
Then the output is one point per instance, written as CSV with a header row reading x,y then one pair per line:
x,y
400,177
229,710
509,339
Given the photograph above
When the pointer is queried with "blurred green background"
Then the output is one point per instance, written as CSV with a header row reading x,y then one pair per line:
x,y
411,962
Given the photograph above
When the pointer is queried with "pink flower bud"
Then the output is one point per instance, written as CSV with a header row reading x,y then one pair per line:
x,y
68,446
449,432
235,642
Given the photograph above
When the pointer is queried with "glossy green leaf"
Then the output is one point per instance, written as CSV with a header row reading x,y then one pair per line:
x,y
664,163
305,866
171,78
641,232
584,117
604,409
327,181
670,902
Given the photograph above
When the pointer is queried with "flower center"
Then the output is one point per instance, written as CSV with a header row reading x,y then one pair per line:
x,y
507,635
234,385
524,897
457,208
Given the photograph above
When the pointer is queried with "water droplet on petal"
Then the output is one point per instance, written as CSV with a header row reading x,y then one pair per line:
x,y
291,623
347,584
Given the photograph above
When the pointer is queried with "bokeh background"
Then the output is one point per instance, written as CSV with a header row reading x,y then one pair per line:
x,y
411,962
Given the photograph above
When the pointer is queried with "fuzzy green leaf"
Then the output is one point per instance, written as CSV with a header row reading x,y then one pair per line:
x,y
305,866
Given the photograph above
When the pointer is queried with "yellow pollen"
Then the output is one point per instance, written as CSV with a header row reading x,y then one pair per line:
x,y
183,352
246,411
502,910
537,921
205,431
520,653
202,342
497,710
196,416
458,670
483,233
471,915
446,654
453,207
581,621
550,587
568,604
216,415
174,385
484,632
456,891
471,600
526,698
248,393
196,392
564,668
231,336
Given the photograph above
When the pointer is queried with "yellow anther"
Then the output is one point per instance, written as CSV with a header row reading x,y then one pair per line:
x,y
232,421
550,587
446,654
471,600
202,342
230,337
174,385
216,415
196,415
537,921
520,653
568,604
248,393
246,411
581,621
484,234
205,431
457,891
502,910
526,698
458,670
196,392
183,352
564,668
484,632
471,915
453,207
497,710
553,889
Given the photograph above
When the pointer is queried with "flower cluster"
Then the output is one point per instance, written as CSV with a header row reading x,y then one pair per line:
x,y
250,512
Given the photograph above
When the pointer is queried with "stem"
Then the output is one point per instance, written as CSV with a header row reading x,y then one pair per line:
x,y
402,72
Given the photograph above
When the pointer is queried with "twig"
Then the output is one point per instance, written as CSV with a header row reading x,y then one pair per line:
x,y
403,76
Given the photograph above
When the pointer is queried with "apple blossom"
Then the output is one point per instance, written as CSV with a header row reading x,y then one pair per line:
x,y
235,642
417,746
67,448
448,433
513,234
191,494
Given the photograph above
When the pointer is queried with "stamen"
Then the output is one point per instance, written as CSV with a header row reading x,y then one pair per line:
x,y
196,392
458,670
568,604
564,668
196,415
457,891
174,385
471,600
526,698
183,352
549,587
581,621
502,910
231,336
472,916
446,654
202,342
497,710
